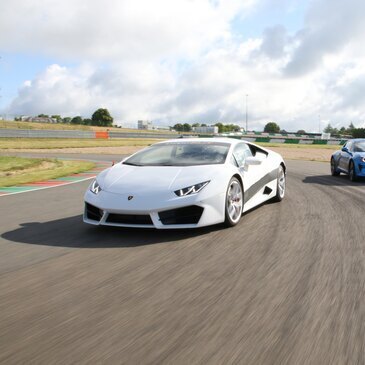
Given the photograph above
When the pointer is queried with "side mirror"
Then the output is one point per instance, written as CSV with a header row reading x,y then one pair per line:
x,y
345,149
253,161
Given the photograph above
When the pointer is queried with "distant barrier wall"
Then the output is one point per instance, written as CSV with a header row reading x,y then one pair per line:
x,y
31,133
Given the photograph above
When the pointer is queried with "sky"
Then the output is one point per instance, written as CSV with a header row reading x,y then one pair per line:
x,y
299,63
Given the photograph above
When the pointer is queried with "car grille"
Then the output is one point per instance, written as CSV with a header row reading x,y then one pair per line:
x,y
93,213
186,215
133,219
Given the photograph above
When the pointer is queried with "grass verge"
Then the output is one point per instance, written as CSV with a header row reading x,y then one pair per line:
x,y
4,124
51,143
18,170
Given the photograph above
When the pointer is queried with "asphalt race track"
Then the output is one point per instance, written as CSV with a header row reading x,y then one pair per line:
x,y
285,286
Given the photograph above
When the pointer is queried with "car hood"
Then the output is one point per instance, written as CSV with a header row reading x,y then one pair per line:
x,y
125,178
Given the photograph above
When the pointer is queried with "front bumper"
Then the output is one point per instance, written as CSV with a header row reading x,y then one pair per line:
x,y
112,209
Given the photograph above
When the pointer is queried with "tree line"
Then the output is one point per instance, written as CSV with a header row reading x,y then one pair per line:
x,y
222,128
351,130
101,117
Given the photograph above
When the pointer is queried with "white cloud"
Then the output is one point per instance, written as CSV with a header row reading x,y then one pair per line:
x,y
177,61
116,29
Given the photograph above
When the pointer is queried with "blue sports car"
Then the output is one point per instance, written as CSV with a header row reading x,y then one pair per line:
x,y
350,159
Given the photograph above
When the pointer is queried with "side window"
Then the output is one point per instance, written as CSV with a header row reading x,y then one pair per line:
x,y
240,152
349,146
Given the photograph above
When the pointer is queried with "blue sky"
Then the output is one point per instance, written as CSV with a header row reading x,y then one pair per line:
x,y
185,60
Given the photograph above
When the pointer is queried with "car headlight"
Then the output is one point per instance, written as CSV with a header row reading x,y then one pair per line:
x,y
193,189
95,187
362,159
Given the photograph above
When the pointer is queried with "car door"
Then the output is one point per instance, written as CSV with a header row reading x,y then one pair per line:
x,y
345,156
250,174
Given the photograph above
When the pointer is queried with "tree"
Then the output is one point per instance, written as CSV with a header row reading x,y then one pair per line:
x,y
87,121
102,117
43,116
350,128
178,127
66,120
220,127
330,129
301,131
358,133
76,120
186,127
271,127
57,117
196,125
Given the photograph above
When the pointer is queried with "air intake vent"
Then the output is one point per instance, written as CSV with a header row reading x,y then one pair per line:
x,y
267,190
92,212
129,219
186,215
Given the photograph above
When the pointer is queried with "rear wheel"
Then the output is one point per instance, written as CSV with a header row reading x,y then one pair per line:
x,y
352,172
234,203
334,171
280,185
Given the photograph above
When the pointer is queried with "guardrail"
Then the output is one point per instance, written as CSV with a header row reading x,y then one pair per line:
x,y
336,142
262,139
33,133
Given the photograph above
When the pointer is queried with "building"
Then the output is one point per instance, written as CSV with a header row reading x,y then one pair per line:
x,y
145,124
206,130
39,119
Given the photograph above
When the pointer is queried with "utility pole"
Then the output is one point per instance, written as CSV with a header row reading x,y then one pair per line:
x,y
319,123
246,114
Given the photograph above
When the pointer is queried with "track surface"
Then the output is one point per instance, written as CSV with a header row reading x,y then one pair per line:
x,y
285,286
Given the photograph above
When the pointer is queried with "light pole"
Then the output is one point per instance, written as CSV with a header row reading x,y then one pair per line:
x,y
319,123
246,114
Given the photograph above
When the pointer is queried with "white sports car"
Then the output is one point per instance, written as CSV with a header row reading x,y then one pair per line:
x,y
186,183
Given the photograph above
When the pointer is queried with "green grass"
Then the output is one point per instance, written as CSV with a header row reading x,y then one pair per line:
x,y
18,170
60,126
8,164
49,143
40,126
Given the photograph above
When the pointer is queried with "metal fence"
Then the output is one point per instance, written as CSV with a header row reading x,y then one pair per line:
x,y
33,133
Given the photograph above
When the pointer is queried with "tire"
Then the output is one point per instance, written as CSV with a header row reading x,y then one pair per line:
x,y
234,203
280,185
352,172
334,171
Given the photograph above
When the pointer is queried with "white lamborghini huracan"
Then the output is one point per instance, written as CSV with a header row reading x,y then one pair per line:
x,y
186,183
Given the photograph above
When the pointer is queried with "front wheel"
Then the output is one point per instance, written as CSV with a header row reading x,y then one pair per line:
x,y
352,172
334,171
280,185
234,203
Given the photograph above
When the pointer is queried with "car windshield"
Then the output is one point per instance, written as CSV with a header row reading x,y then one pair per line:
x,y
359,146
181,154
